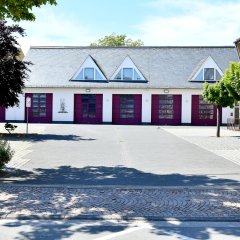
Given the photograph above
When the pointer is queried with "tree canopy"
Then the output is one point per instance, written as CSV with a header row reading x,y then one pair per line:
x,y
21,9
218,95
231,79
115,40
13,71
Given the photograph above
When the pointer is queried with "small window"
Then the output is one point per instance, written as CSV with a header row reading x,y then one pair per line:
x,y
98,76
127,73
89,73
209,74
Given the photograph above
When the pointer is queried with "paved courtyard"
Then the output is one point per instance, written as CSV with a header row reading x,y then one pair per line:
x,y
63,175
124,156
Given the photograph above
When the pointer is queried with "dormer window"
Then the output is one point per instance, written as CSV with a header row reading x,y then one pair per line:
x,y
127,74
207,71
208,74
128,71
89,71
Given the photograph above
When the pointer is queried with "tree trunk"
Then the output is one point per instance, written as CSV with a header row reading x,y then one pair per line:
x,y
218,120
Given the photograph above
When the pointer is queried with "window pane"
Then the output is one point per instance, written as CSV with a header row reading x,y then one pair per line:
x,y
89,73
208,73
80,76
127,73
98,75
136,75
218,75
199,77
166,110
118,76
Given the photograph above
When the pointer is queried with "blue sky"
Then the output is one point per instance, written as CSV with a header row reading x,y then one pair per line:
x,y
155,22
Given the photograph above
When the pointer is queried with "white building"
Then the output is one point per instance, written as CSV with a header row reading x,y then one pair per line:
x,y
122,85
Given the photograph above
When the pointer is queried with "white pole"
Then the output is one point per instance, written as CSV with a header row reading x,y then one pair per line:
x,y
27,119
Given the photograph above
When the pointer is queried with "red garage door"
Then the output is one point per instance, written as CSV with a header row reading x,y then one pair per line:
x,y
2,114
127,109
41,108
88,108
203,114
166,109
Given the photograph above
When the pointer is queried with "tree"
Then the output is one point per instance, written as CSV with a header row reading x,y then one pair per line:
x,y
21,9
13,71
218,95
115,40
231,79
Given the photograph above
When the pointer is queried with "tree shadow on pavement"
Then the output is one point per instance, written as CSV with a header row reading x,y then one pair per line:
x,y
44,137
102,175
118,175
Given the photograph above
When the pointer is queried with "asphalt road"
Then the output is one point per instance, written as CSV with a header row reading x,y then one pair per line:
x,y
120,155
112,230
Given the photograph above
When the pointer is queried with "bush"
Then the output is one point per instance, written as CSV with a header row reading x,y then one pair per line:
x,y
6,153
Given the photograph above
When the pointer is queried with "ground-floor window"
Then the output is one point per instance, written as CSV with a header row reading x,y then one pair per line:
x,y
39,101
203,113
41,107
88,108
166,109
126,106
88,105
127,109
206,110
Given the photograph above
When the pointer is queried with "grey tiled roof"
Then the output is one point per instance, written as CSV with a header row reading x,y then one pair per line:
x,y
163,67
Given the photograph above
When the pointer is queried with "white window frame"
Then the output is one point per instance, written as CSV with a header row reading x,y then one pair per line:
x,y
214,74
93,73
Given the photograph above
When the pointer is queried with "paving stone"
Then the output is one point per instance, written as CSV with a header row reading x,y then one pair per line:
x,y
116,203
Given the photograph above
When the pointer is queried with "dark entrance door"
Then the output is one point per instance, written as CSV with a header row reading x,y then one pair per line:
x,y
88,108
166,109
127,109
2,114
41,108
203,114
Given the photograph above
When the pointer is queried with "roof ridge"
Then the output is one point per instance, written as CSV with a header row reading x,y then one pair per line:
x,y
85,47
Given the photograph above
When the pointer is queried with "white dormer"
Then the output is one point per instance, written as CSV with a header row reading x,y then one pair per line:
x,y
89,71
208,71
127,71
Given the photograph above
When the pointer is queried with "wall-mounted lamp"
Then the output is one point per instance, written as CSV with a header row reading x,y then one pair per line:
x,y
88,90
166,90
237,45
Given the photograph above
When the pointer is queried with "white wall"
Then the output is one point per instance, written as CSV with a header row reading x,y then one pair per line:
x,y
68,99
186,108
227,113
107,107
68,95
146,107
16,113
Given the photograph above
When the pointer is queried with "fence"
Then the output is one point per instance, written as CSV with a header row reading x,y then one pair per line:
x,y
233,124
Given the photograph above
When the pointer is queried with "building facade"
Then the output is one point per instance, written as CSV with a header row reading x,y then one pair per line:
x,y
121,85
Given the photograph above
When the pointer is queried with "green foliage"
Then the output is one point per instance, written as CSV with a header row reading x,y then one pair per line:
x,y
13,71
6,153
115,40
21,9
231,80
10,127
217,94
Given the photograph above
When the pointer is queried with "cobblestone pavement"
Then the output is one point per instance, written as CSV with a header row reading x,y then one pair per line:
x,y
227,146
34,202
22,147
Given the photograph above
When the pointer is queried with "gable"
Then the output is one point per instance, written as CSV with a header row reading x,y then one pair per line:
x,y
127,71
207,71
89,71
